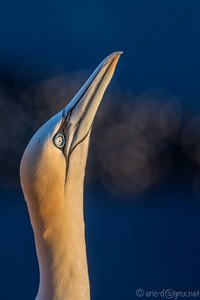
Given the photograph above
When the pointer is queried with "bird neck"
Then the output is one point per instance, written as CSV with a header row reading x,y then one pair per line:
x,y
59,230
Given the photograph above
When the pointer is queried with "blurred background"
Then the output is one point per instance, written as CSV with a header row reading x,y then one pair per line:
x,y
142,207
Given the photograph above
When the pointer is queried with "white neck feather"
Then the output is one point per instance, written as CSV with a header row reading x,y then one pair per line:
x,y
58,225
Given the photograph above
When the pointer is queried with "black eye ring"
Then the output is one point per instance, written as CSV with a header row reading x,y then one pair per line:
x,y
59,140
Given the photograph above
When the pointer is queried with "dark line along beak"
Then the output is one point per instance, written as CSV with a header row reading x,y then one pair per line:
x,y
80,112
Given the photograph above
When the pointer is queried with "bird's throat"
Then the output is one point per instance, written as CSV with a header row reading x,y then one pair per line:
x,y
62,258
60,241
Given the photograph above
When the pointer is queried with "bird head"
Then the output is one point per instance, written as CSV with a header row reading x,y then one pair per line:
x,y
61,144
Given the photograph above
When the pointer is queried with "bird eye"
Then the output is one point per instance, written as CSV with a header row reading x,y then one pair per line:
x,y
59,141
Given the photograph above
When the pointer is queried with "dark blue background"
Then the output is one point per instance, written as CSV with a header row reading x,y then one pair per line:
x,y
153,241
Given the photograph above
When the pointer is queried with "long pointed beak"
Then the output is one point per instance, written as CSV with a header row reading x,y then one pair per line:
x,y
80,112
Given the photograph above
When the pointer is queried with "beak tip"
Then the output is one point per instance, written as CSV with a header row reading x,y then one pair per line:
x,y
112,58
118,53
115,55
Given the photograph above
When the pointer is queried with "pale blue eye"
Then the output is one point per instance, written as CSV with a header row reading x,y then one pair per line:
x,y
59,140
